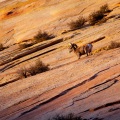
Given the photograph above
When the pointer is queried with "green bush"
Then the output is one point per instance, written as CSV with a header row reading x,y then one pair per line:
x,y
42,36
77,24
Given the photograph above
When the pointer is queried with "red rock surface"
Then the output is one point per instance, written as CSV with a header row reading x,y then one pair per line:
x,y
88,87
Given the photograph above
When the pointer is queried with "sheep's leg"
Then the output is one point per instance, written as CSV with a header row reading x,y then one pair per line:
x,y
87,53
78,55
90,53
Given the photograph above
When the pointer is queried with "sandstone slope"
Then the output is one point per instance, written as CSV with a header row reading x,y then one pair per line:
x,y
88,87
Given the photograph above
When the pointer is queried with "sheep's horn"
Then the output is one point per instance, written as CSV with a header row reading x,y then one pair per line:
x,y
70,44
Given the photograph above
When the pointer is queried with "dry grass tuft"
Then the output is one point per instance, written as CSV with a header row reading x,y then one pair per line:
x,y
113,45
101,21
105,8
36,68
95,17
74,25
1,47
98,16
70,117
42,36
23,72
24,45
67,117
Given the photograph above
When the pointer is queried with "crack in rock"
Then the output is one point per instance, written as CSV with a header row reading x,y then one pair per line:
x,y
93,90
96,89
11,65
104,106
114,109
6,83
62,93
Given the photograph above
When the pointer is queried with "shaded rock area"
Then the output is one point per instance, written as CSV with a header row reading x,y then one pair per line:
x,y
88,87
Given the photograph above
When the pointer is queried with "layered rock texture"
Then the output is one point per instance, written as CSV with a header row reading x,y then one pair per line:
x,y
88,87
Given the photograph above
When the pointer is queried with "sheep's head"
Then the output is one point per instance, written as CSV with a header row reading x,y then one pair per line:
x,y
70,47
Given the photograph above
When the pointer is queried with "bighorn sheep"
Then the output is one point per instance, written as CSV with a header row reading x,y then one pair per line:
x,y
86,49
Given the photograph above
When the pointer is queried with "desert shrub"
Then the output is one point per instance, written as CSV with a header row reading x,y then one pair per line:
x,y
67,117
38,67
113,45
34,69
25,45
42,36
23,72
77,24
104,8
101,21
10,12
95,17
71,117
1,47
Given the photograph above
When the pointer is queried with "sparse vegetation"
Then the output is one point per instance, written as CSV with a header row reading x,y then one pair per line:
x,y
77,24
67,117
113,45
25,45
23,72
1,47
70,117
105,8
97,16
101,21
42,36
36,68
10,12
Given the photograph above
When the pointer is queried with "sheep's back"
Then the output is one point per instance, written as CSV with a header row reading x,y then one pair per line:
x,y
81,49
